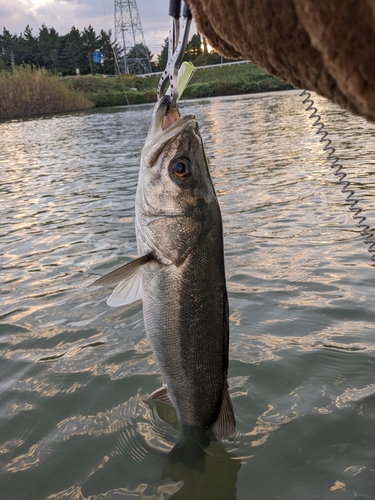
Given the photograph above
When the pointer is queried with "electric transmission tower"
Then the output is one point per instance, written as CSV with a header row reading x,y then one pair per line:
x,y
129,39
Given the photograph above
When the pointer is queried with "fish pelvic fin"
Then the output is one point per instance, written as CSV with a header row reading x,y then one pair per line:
x,y
128,280
161,394
225,425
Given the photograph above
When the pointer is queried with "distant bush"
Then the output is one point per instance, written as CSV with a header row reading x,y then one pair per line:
x,y
232,80
121,97
100,85
199,90
27,91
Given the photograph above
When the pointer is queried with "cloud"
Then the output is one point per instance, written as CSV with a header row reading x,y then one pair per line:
x,y
63,14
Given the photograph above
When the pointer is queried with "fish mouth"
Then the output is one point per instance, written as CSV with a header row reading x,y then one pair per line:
x,y
165,115
166,124
165,118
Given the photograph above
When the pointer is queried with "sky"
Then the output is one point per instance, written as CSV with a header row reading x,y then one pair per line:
x,y
63,14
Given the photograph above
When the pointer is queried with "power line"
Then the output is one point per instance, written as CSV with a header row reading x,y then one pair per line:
x,y
129,38
166,28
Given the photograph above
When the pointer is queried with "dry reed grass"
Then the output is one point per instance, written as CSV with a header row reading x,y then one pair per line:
x,y
27,91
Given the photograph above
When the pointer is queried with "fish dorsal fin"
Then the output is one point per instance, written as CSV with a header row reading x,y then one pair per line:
x,y
225,425
161,394
124,272
127,291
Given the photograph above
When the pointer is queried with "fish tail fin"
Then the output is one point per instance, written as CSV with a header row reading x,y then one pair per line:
x,y
189,454
189,450
225,425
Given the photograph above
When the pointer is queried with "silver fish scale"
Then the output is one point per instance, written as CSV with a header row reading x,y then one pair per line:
x,y
185,301
186,320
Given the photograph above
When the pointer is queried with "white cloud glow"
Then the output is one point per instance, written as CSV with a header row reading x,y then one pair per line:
x,y
15,15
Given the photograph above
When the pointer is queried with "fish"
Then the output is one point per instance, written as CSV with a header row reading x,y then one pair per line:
x,y
180,273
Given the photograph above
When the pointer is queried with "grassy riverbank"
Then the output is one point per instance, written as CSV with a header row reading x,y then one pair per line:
x,y
226,80
26,91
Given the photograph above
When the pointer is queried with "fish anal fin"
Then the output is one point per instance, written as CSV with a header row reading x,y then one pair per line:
x,y
225,425
161,394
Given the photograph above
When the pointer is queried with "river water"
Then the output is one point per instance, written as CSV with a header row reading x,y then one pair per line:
x,y
75,422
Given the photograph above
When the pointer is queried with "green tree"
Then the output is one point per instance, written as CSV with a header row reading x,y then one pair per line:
x,y
72,55
27,47
193,48
49,47
108,59
210,58
162,58
89,44
194,53
8,47
55,49
62,53
77,50
137,59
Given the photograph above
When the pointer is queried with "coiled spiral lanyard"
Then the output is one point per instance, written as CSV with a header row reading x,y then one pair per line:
x,y
339,172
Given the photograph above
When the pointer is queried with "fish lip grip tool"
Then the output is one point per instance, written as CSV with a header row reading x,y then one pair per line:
x,y
178,38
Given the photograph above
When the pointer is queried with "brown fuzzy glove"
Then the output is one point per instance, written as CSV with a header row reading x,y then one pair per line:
x,y
323,45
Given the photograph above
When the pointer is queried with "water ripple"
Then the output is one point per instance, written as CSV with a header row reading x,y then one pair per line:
x,y
75,422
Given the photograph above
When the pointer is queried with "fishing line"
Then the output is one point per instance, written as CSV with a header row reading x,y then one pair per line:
x,y
339,172
121,78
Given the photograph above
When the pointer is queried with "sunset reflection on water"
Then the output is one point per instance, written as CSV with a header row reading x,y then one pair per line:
x,y
75,374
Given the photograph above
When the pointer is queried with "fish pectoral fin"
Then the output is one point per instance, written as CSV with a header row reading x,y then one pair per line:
x,y
128,280
225,425
161,394
127,291
124,272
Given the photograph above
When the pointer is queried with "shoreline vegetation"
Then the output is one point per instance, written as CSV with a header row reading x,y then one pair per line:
x,y
27,91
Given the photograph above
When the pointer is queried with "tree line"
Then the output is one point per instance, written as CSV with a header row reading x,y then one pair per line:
x,y
196,52
65,53
57,53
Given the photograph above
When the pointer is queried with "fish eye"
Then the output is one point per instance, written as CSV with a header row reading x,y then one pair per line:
x,y
181,168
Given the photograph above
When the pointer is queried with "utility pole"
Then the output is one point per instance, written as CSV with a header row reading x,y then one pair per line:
x,y
129,39
90,63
